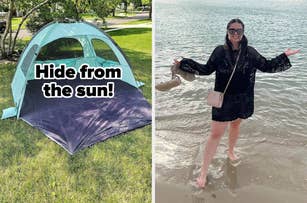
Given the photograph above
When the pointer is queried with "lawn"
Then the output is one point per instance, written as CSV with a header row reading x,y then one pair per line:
x,y
35,169
138,52
15,23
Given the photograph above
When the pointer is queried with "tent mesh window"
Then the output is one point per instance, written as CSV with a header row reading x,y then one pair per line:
x,y
103,50
63,48
28,59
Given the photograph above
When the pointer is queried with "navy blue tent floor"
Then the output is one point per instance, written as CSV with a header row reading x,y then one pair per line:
x,y
76,123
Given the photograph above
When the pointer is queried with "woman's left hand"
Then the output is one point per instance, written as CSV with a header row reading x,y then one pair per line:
x,y
176,61
290,52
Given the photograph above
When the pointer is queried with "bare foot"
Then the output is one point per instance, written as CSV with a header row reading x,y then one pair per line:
x,y
234,160
232,156
201,182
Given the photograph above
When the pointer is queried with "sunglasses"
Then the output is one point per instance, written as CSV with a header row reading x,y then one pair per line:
x,y
233,31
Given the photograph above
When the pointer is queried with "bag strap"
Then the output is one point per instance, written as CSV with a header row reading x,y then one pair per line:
x,y
234,69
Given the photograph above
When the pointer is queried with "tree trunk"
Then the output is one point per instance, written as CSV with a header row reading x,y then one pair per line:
x,y
10,39
7,29
1,54
125,6
77,11
24,18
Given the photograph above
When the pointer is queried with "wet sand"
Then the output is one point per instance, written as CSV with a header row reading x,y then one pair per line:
x,y
166,193
269,172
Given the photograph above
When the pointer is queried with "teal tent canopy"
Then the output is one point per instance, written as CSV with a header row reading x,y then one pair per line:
x,y
80,33
74,44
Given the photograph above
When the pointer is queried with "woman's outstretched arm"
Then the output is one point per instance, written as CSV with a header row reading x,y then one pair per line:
x,y
191,66
290,52
277,64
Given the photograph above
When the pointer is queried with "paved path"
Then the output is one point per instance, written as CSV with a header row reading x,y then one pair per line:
x,y
114,23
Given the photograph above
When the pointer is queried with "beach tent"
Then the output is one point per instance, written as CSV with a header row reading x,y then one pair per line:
x,y
76,123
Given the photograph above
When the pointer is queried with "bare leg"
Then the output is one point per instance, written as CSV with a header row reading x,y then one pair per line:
x,y
217,131
233,137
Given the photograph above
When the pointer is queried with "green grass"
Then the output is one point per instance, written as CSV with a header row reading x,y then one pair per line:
x,y
15,23
35,169
138,52
88,16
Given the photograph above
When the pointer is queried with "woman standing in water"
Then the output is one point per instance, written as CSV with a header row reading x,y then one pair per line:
x,y
238,101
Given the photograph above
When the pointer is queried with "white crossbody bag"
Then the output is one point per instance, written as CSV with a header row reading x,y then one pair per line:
x,y
216,98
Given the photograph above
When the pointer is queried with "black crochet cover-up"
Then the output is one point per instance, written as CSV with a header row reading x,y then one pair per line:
x,y
239,98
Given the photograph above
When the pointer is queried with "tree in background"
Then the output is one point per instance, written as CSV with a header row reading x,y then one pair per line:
x,y
28,6
42,12
148,3
103,8
136,3
56,11
48,10
4,6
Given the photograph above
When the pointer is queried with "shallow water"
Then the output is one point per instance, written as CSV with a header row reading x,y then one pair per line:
x,y
273,142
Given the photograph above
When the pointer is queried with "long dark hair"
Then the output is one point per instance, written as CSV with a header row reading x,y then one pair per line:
x,y
243,40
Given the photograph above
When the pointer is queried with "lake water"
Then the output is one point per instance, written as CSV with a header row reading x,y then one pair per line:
x,y
272,143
